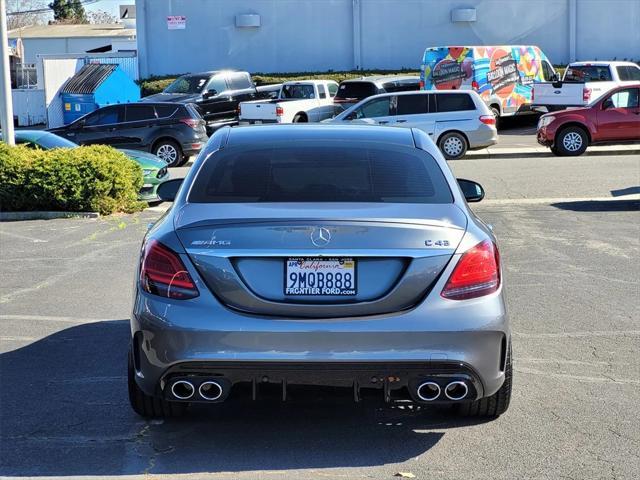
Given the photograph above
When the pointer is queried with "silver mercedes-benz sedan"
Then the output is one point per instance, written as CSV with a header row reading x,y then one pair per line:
x,y
320,255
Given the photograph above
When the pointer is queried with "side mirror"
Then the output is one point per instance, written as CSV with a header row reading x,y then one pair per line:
x,y
555,77
607,104
210,93
168,190
472,191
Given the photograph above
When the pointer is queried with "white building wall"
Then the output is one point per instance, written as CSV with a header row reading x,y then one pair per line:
x,y
311,35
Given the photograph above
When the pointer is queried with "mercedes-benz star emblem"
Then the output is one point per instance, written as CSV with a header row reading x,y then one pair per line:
x,y
320,236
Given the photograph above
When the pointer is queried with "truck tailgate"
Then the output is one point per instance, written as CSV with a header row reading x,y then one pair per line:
x,y
558,93
259,110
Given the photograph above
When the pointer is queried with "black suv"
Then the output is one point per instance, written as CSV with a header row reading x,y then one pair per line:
x,y
352,91
216,94
172,132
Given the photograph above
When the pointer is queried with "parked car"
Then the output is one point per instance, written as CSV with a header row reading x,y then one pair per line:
x,y
503,75
315,255
299,101
584,83
455,120
216,94
614,118
154,170
172,132
352,91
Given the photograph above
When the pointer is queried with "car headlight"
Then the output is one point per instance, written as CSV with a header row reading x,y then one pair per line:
x,y
147,171
544,121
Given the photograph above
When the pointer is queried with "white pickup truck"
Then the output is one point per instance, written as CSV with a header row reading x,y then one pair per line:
x,y
583,83
303,101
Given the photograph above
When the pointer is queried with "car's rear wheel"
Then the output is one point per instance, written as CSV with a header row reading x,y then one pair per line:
x,y
453,145
146,405
571,141
496,404
496,114
300,118
169,151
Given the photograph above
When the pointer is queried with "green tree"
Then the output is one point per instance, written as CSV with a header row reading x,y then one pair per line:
x,y
68,11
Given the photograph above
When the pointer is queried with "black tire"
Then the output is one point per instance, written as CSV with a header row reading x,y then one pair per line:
x,y
571,141
496,114
453,145
147,406
496,404
300,118
169,151
554,150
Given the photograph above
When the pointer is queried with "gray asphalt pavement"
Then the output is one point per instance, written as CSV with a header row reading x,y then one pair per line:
x,y
573,291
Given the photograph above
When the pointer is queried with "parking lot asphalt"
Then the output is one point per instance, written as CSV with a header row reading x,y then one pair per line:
x,y
573,292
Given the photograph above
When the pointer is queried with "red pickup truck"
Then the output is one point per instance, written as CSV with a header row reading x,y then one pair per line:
x,y
613,118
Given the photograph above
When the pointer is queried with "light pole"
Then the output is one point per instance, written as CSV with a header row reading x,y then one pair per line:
x,y
6,106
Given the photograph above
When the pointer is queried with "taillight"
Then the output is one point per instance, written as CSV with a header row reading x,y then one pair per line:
x,y
488,119
474,85
163,273
421,85
279,111
476,274
192,122
586,94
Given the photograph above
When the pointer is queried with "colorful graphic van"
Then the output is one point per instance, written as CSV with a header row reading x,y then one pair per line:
x,y
502,75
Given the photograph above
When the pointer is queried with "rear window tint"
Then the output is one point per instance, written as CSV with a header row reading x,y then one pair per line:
x,y
411,104
587,73
627,73
401,86
164,111
356,90
317,172
454,102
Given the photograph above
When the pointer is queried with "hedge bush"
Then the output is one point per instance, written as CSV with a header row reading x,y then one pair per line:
x,y
96,178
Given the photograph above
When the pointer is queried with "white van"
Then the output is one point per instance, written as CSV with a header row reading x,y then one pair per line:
x,y
455,120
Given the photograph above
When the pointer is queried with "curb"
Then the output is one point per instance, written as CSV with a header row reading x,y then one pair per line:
x,y
44,215
543,152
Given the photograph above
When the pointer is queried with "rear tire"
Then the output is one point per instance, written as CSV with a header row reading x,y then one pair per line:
x,y
496,114
571,141
300,118
453,145
148,406
169,151
496,404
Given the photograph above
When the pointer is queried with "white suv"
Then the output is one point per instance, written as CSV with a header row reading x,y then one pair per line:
x,y
455,120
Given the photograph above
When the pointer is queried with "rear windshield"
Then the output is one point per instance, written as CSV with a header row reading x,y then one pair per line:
x,y
317,172
588,73
297,91
188,84
356,90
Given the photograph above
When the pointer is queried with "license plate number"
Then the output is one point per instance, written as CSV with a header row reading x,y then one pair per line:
x,y
320,276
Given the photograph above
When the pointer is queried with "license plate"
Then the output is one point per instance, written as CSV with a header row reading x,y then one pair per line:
x,y
320,276
257,122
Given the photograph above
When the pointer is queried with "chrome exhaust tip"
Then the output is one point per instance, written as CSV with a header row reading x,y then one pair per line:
x,y
428,391
210,390
456,390
183,390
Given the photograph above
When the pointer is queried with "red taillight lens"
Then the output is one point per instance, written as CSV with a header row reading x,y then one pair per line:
x,y
421,85
488,119
279,111
586,94
163,273
192,122
476,274
474,85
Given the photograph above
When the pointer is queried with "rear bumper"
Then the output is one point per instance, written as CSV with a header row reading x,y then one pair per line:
x,y
484,136
242,348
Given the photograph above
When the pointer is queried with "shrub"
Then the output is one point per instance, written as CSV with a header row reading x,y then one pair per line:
x,y
96,178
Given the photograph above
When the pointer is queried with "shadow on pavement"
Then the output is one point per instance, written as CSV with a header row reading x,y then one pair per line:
x,y
625,191
64,411
599,205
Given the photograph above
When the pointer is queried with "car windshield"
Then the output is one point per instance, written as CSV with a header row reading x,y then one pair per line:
x,y
188,84
316,171
587,73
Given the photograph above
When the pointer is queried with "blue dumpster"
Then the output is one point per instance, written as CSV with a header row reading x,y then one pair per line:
x,y
94,86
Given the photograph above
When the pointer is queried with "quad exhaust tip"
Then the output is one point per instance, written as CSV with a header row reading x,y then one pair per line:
x,y
456,390
183,390
428,391
210,390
